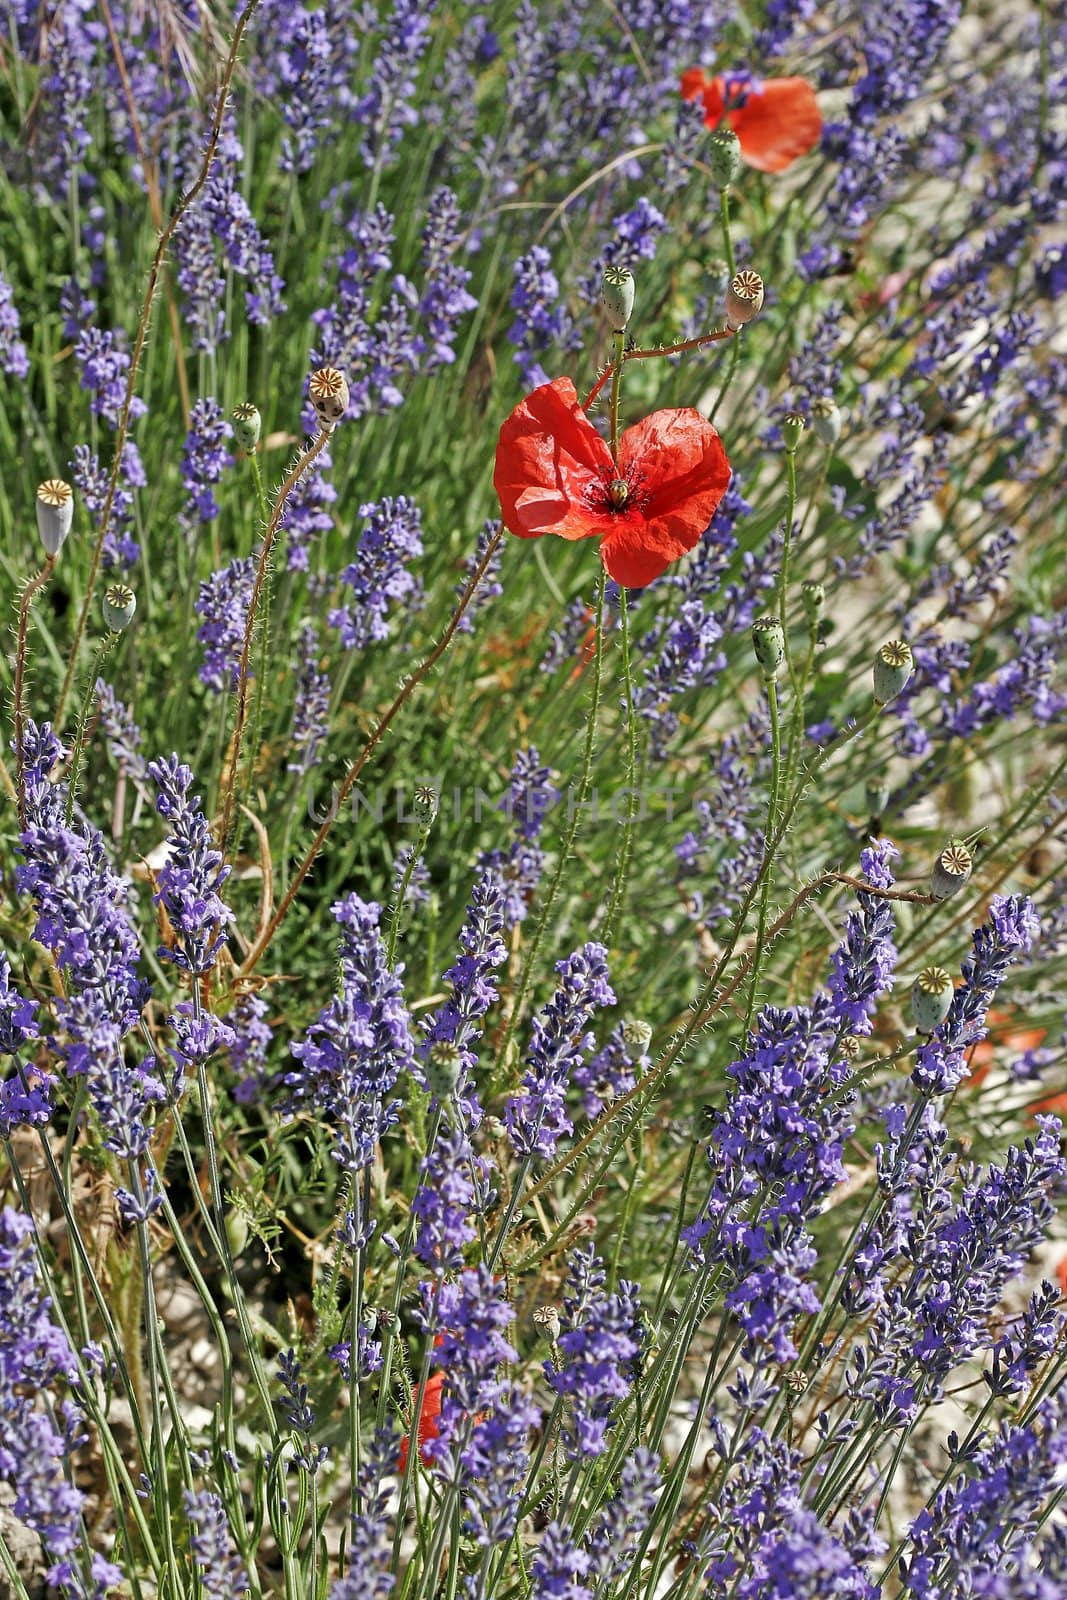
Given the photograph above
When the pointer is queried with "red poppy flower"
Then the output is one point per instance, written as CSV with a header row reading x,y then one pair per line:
x,y
1061,1273
777,119
429,1418
554,474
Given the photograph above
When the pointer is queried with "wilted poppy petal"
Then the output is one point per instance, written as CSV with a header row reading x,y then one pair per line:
x,y
548,456
777,124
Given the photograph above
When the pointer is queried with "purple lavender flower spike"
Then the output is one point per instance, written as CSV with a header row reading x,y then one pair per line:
x,y
599,1346
223,602
863,963
379,577
13,358
312,704
353,1055
537,1118
221,1571
190,881
458,1022
204,460
26,1094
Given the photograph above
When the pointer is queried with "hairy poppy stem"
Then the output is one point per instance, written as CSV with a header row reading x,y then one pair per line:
x,y
32,588
619,341
684,345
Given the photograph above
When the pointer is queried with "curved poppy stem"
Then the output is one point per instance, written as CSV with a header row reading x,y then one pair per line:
x,y
619,342
678,349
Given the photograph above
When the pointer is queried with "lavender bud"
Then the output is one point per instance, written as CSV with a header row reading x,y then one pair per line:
x,y
55,513
724,157
425,804
247,423
547,1322
636,1036
768,642
931,997
443,1068
744,298
813,595
826,420
793,426
617,294
118,606
328,393
892,668
951,870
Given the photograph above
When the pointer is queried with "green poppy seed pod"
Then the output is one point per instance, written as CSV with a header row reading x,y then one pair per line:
x,y
876,794
826,420
893,667
931,997
236,1231
850,1047
636,1036
328,393
443,1068
55,513
118,605
744,298
951,870
425,804
793,426
724,157
813,595
768,642
247,424
617,293
547,1323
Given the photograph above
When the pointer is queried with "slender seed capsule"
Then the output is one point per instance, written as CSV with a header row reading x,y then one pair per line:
x,y
247,424
768,642
724,157
951,870
118,605
328,393
744,298
617,293
931,997
893,667
793,426
826,420
55,513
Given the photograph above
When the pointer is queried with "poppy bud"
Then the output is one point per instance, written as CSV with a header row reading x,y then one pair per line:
x,y
724,157
636,1036
951,870
424,803
546,1321
617,293
877,796
768,642
931,997
118,606
744,298
793,426
718,272
826,420
813,595
236,1231
892,668
443,1069
247,423
328,393
55,513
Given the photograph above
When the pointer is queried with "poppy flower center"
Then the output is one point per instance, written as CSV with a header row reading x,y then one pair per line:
x,y
611,494
736,88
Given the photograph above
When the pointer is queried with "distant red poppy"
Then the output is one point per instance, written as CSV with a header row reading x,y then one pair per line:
x,y
1061,1273
554,474
1005,1038
776,119
429,1418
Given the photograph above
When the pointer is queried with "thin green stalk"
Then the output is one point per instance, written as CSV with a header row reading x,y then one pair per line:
x,y
107,645
625,850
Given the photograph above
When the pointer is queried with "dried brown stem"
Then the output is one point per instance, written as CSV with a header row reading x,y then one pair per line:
x,y
663,350
425,666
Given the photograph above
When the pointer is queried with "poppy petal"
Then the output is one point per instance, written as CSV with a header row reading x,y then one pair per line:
x,y
777,124
693,83
676,462
635,551
548,455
